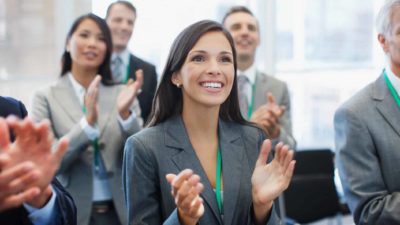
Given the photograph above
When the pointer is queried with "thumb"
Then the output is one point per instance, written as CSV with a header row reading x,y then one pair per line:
x,y
4,135
264,152
270,98
139,78
61,148
170,177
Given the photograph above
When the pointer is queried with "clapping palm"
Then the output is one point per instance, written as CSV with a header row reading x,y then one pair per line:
x,y
270,180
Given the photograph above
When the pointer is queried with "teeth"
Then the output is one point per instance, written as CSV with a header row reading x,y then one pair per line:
x,y
212,85
91,54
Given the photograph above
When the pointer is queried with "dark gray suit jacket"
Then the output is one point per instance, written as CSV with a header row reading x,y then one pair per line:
x,y
279,89
149,83
64,202
367,138
165,148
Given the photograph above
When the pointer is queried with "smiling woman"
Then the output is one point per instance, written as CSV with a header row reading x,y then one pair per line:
x,y
96,116
198,158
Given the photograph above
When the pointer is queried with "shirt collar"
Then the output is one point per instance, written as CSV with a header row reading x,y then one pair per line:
x,y
124,56
78,88
395,80
250,73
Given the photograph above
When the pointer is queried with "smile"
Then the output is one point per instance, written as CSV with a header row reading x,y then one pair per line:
x,y
211,84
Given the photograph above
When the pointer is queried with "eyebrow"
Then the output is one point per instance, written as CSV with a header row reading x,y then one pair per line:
x,y
205,52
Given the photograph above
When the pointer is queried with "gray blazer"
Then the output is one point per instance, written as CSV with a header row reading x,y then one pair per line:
x,y
367,138
279,89
165,148
59,104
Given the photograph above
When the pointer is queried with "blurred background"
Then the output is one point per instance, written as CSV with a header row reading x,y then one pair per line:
x,y
325,50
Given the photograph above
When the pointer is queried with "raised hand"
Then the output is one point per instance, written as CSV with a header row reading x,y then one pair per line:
x,y
186,189
128,94
91,100
15,181
267,116
270,180
33,144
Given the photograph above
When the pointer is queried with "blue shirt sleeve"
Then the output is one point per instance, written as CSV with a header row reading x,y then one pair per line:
x,y
46,215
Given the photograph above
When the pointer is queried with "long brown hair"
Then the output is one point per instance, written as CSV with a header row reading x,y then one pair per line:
x,y
168,100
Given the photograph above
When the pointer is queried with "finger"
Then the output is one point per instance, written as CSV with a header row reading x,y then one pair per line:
x,y
170,177
183,193
190,199
290,170
4,160
288,158
278,152
186,201
15,172
139,78
25,181
4,135
25,130
95,83
264,152
283,153
270,98
61,149
130,81
180,179
14,201
43,132
196,204
282,110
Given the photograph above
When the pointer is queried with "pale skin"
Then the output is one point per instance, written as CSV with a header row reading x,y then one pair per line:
x,y
267,116
200,104
87,49
28,164
124,100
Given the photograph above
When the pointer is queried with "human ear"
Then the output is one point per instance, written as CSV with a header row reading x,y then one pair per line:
x,y
383,42
176,80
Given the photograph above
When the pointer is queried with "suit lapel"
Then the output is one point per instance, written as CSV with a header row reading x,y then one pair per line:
x,y
176,137
385,104
232,151
65,94
133,66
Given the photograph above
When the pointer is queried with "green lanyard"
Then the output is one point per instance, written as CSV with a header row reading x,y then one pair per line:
x,y
250,109
392,90
95,144
218,180
128,69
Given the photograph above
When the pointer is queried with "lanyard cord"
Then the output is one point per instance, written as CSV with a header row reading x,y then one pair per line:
x,y
218,179
392,90
95,144
128,69
250,109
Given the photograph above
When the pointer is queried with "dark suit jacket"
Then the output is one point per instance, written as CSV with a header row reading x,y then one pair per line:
x,y
166,148
367,138
64,202
149,83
